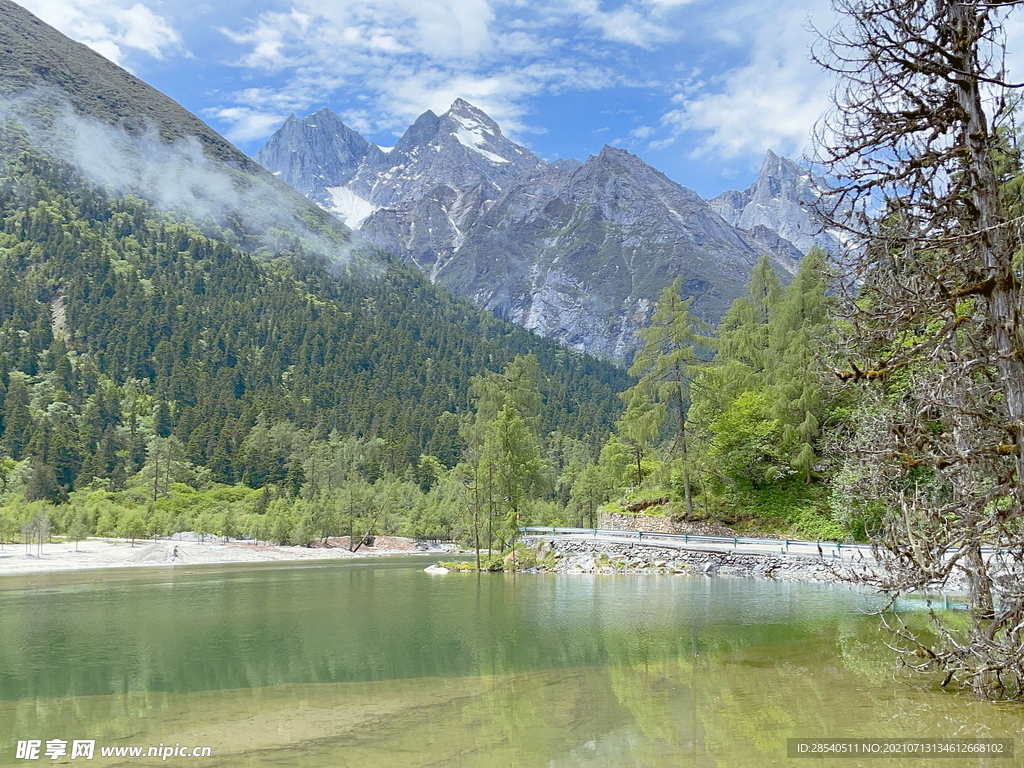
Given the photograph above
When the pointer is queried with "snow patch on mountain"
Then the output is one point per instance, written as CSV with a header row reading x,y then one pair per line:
x,y
349,207
473,141
473,133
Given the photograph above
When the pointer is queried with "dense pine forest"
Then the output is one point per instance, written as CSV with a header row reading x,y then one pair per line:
x,y
141,360
152,375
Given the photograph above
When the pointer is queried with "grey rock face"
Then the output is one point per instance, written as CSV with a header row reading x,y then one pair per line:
x,y
314,152
581,256
779,201
578,252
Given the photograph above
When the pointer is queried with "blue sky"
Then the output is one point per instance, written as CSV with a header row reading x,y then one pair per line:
x,y
700,89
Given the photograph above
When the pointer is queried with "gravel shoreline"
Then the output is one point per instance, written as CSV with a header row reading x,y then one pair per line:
x,y
599,557
575,556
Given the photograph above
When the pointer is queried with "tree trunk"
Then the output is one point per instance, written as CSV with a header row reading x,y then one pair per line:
x,y
997,257
993,242
684,450
981,605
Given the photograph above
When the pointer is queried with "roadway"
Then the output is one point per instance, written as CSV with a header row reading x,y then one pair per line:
x,y
830,550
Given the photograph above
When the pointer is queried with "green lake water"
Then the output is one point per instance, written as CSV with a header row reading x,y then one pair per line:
x,y
375,664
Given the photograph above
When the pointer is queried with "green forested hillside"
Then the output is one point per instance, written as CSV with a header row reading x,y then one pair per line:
x,y
179,329
119,326
60,97
740,424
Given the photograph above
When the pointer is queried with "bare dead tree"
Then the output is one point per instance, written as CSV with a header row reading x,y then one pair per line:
x,y
918,144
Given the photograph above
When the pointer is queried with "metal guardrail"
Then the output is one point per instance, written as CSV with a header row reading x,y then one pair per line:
x,y
783,546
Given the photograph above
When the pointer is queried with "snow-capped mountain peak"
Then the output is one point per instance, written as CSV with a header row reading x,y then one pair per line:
x,y
475,131
576,251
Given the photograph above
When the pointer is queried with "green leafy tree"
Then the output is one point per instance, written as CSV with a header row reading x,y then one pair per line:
x,y
18,423
512,453
593,487
162,419
508,455
131,526
79,527
428,470
745,442
743,335
205,524
768,381
165,464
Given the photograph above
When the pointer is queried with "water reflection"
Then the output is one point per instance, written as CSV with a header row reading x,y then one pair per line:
x,y
381,665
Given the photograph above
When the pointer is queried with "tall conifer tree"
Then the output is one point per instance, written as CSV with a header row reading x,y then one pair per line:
x,y
798,339
674,343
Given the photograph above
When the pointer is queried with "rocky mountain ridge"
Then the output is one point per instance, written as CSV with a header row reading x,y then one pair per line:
x,y
779,201
576,251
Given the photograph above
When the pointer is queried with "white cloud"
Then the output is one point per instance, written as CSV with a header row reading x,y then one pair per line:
x,y
393,59
268,38
769,101
664,5
112,28
627,25
140,28
640,25
104,47
439,29
402,58
247,124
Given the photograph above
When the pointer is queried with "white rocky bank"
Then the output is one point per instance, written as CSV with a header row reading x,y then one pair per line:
x,y
597,557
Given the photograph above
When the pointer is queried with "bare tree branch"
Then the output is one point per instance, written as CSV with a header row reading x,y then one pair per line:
x,y
920,142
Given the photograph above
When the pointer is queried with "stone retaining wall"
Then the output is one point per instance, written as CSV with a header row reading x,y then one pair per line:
x,y
622,521
600,557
